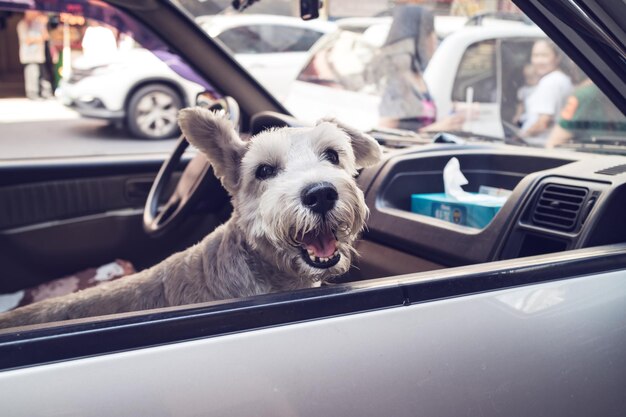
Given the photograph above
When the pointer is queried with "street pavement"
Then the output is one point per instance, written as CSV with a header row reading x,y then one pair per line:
x,y
44,129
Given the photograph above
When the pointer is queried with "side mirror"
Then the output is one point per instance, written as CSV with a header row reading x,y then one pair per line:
x,y
205,99
228,104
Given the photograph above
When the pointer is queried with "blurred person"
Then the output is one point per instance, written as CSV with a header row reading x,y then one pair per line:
x,y
530,83
406,102
543,104
32,35
99,44
588,113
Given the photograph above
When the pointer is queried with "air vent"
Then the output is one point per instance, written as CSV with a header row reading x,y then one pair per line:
x,y
559,206
618,169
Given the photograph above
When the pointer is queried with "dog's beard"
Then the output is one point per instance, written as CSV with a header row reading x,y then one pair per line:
x,y
310,246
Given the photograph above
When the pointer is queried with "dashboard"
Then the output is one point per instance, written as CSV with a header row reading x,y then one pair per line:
x,y
559,201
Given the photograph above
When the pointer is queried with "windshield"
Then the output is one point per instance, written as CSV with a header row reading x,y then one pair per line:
x,y
480,69
402,70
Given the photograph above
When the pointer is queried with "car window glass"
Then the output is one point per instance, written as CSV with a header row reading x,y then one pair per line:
x,y
243,40
515,55
342,63
88,80
333,75
268,39
477,73
291,39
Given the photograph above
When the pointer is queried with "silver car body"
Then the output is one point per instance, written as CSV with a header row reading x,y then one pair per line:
x,y
527,350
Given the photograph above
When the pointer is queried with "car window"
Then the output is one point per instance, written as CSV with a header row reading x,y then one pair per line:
x,y
263,39
514,56
311,86
89,80
476,75
243,40
342,63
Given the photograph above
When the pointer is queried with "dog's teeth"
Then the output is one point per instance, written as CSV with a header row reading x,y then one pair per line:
x,y
311,253
324,259
312,257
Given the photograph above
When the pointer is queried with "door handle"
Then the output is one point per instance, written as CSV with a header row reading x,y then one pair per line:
x,y
136,190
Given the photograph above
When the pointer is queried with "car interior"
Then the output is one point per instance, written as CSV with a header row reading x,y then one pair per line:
x,y
62,215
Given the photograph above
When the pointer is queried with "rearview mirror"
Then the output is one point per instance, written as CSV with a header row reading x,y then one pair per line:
x,y
205,99
310,9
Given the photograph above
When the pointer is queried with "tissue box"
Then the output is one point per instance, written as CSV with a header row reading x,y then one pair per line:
x,y
472,214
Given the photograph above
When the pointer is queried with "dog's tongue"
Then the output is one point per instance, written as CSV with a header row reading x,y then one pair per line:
x,y
323,244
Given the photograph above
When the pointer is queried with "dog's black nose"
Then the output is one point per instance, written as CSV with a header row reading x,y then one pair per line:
x,y
320,197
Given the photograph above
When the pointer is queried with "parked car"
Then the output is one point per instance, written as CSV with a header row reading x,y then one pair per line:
x,y
272,48
136,88
487,59
150,88
524,317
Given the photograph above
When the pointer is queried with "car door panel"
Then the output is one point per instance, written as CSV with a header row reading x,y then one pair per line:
x,y
56,219
361,363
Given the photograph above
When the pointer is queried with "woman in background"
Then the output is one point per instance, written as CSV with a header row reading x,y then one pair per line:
x,y
32,34
406,102
545,102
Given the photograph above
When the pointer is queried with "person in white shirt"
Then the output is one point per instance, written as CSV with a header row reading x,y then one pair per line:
x,y
32,33
530,83
546,100
99,45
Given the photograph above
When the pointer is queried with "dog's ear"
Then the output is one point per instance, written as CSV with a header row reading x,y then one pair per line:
x,y
367,151
214,135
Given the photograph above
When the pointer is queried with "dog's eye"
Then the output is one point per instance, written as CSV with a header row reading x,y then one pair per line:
x,y
331,156
264,172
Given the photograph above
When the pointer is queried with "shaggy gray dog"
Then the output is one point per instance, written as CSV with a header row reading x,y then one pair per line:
x,y
297,212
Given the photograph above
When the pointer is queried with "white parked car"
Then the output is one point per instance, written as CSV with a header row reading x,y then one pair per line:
x,y
477,64
272,48
146,89
137,87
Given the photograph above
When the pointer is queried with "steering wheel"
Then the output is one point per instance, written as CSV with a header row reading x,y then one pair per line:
x,y
197,179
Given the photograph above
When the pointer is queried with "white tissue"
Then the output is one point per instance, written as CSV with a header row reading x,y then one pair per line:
x,y
453,180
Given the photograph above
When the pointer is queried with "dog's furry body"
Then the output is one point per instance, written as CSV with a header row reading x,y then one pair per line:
x,y
219,267
263,246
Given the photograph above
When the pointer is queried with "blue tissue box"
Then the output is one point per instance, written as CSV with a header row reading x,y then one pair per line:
x,y
470,214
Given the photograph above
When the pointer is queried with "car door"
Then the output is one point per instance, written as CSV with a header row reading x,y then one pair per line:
x,y
535,336
73,188
458,341
474,73
476,89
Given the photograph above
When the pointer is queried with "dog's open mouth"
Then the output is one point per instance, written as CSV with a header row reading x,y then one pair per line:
x,y
319,248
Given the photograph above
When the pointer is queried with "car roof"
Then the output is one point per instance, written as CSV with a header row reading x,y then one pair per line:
x,y
471,34
377,34
444,25
219,23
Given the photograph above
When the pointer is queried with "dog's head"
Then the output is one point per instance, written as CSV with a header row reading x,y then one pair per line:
x,y
293,189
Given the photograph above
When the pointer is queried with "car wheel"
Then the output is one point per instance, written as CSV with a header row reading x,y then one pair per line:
x,y
152,112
